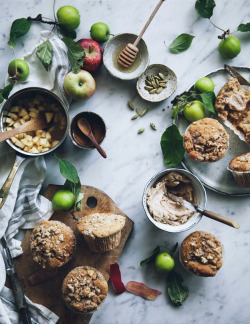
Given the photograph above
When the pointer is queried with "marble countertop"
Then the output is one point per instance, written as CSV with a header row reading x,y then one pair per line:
x,y
133,159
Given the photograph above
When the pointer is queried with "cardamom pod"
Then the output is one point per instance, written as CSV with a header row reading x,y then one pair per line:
x,y
157,82
148,77
154,84
148,88
141,130
138,111
134,117
152,91
157,77
159,90
153,126
161,76
148,83
144,112
131,105
163,85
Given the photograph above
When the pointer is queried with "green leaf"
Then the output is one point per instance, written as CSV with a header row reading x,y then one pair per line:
x,y
205,8
67,170
78,203
45,54
244,27
4,93
180,101
176,291
151,257
181,43
19,28
75,54
70,186
67,33
172,146
208,99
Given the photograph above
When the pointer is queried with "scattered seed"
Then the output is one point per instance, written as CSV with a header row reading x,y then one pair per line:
x,y
144,112
134,117
152,91
138,111
161,76
148,88
141,130
159,90
153,126
131,105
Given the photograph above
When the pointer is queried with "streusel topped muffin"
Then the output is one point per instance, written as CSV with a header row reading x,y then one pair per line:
x,y
240,169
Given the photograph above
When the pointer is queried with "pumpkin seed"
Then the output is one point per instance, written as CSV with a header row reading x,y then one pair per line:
x,y
134,117
159,90
153,126
144,112
141,130
161,76
138,111
148,88
148,83
131,105
152,91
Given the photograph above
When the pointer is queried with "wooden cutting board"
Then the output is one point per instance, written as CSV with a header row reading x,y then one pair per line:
x,y
48,292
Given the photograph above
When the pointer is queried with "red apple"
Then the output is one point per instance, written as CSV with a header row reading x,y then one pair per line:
x,y
93,52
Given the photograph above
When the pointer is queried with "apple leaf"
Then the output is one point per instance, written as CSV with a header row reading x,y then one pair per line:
x,y
176,291
68,170
244,27
181,43
151,257
180,101
75,54
67,33
172,146
4,93
19,28
45,54
208,99
205,8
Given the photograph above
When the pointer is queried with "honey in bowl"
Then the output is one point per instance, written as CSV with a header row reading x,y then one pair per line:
x,y
98,129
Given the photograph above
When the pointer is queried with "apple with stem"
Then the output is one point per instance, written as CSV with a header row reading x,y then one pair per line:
x,y
68,17
93,54
100,32
194,110
79,86
18,70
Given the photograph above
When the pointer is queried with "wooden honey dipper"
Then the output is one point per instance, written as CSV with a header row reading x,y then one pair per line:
x,y
129,53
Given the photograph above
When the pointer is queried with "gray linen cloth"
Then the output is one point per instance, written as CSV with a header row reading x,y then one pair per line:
x,y
24,207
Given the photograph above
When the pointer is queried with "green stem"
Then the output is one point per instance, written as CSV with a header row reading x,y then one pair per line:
x,y
216,26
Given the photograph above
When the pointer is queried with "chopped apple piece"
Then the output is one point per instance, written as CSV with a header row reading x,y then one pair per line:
x,y
19,144
14,109
45,149
49,116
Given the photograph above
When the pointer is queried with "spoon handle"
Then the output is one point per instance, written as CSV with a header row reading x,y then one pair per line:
x,y
13,132
221,219
98,147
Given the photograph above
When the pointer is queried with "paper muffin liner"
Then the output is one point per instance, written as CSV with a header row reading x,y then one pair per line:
x,y
82,312
241,177
104,244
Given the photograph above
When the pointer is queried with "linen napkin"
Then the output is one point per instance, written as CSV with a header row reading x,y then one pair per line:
x,y
24,207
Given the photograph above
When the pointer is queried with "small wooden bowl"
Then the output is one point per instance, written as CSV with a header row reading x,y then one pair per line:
x,y
171,84
98,128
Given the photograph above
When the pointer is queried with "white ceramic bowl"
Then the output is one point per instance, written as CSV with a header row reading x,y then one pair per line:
x,y
199,192
111,51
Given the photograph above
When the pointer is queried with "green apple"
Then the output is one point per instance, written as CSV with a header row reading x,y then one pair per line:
x,y
100,32
229,47
63,200
204,85
18,70
164,262
68,17
194,110
79,85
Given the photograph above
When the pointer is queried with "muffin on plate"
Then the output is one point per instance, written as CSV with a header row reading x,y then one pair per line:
x,y
206,140
84,289
233,107
240,169
101,231
52,244
201,254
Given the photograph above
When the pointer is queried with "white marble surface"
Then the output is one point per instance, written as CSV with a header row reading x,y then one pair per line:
x,y
133,159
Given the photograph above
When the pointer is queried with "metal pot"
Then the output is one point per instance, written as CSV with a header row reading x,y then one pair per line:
x,y
20,154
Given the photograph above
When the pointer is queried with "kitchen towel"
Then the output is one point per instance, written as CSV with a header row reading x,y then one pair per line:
x,y
24,207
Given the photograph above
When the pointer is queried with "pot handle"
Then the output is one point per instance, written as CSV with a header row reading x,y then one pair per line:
x,y
4,191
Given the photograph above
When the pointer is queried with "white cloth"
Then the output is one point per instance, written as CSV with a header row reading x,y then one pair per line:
x,y
24,207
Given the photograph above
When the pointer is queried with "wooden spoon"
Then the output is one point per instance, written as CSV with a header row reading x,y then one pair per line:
x,y
129,53
85,127
39,122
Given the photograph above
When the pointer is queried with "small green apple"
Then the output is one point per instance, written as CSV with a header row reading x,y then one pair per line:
x,y
164,262
68,17
18,70
100,32
204,85
63,200
194,110
79,85
229,47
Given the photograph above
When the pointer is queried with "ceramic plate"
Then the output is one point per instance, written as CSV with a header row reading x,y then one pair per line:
x,y
2,271
215,176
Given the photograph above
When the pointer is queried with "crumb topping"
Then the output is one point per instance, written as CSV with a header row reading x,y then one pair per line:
x,y
206,140
240,163
52,244
84,289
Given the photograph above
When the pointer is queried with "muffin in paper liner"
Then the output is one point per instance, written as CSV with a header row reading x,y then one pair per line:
x,y
201,261
52,244
84,290
101,231
240,169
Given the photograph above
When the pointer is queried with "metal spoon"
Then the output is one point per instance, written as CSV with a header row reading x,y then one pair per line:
x,y
85,127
